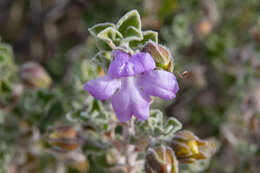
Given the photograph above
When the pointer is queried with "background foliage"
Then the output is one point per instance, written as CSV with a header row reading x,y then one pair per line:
x,y
215,45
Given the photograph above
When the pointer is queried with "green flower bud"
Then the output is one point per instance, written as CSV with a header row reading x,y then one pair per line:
x,y
189,148
33,75
161,160
160,54
64,139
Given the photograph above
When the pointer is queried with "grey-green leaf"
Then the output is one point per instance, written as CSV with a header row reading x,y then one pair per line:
x,y
172,125
132,34
147,36
131,18
107,39
96,29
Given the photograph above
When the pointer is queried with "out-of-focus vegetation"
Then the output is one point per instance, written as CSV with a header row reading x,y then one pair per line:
x,y
216,49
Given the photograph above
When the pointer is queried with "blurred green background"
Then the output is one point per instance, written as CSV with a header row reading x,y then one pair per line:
x,y
216,49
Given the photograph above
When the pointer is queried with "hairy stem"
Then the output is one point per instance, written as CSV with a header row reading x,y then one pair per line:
x,y
130,154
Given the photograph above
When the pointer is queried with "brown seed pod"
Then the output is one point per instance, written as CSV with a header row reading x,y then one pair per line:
x,y
64,139
161,160
161,55
34,75
189,148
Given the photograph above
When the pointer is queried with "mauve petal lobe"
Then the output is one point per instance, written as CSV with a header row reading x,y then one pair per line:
x,y
102,88
130,101
142,62
159,83
142,112
123,65
121,106
117,66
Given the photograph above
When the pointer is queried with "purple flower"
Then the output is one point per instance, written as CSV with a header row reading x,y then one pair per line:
x,y
130,82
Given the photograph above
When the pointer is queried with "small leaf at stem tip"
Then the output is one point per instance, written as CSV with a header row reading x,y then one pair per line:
x,y
96,29
132,34
106,39
132,18
172,126
147,36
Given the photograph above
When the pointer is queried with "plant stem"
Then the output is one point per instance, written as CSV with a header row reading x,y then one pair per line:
x,y
130,155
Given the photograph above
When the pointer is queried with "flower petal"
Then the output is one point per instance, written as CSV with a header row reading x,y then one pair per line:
x,y
103,87
117,66
142,62
121,105
159,83
124,66
142,111
130,100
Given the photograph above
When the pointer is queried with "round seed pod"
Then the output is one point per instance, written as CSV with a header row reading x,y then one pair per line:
x,y
189,148
160,54
64,139
161,160
34,75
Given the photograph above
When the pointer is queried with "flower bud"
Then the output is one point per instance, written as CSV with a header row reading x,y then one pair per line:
x,y
64,139
189,148
161,160
33,75
160,54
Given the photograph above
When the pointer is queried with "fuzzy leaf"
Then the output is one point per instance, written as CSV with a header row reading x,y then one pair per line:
x,y
150,35
155,120
147,36
132,34
130,19
95,115
96,29
8,72
107,39
171,126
